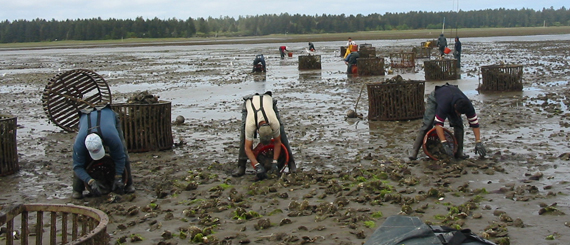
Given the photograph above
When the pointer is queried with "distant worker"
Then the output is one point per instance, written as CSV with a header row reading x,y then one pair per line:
x,y
442,44
350,46
100,128
282,51
445,102
312,47
260,117
457,52
259,64
350,61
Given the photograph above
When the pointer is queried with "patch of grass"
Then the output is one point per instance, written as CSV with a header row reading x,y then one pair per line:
x,y
377,215
198,238
225,186
550,237
439,217
276,211
453,210
196,201
477,198
384,192
241,215
370,224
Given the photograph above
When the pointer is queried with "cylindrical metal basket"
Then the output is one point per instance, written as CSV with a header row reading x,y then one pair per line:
x,y
309,62
147,127
342,50
8,146
396,101
68,224
370,66
501,78
432,145
422,52
440,70
69,92
403,60
367,51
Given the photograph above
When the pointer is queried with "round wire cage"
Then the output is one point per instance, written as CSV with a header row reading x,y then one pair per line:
x,y
432,146
69,92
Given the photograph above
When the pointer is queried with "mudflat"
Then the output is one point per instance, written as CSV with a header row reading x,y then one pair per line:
x,y
352,173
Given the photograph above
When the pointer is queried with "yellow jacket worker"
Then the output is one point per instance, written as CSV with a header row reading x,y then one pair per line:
x,y
350,46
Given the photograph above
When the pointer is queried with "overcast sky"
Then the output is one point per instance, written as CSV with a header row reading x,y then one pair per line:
x,y
182,9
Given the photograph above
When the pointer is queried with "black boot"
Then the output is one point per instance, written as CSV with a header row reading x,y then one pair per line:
x,y
292,167
241,169
459,135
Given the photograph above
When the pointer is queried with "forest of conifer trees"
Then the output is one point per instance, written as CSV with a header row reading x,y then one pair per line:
x,y
39,30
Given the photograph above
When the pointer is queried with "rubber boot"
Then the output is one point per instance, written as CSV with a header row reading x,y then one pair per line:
x,y
459,134
241,169
292,167
129,189
417,145
78,187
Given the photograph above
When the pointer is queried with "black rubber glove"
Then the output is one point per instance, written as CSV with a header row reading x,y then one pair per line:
x,y
119,185
274,167
96,187
447,148
260,172
480,149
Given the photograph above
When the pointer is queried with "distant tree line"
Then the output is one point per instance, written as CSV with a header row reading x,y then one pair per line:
x,y
38,30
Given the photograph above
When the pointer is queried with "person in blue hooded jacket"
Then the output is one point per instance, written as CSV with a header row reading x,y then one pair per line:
x,y
100,128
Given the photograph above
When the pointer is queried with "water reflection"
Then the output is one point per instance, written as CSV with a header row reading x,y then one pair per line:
x,y
310,75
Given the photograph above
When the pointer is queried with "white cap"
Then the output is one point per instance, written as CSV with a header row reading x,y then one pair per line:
x,y
94,145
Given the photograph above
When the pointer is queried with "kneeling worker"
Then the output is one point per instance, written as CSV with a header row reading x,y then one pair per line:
x,y
351,61
259,64
100,128
444,102
260,116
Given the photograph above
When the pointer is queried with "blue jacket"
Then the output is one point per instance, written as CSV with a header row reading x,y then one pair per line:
x,y
111,134
458,46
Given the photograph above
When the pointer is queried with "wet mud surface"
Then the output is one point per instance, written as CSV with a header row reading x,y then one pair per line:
x,y
353,173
